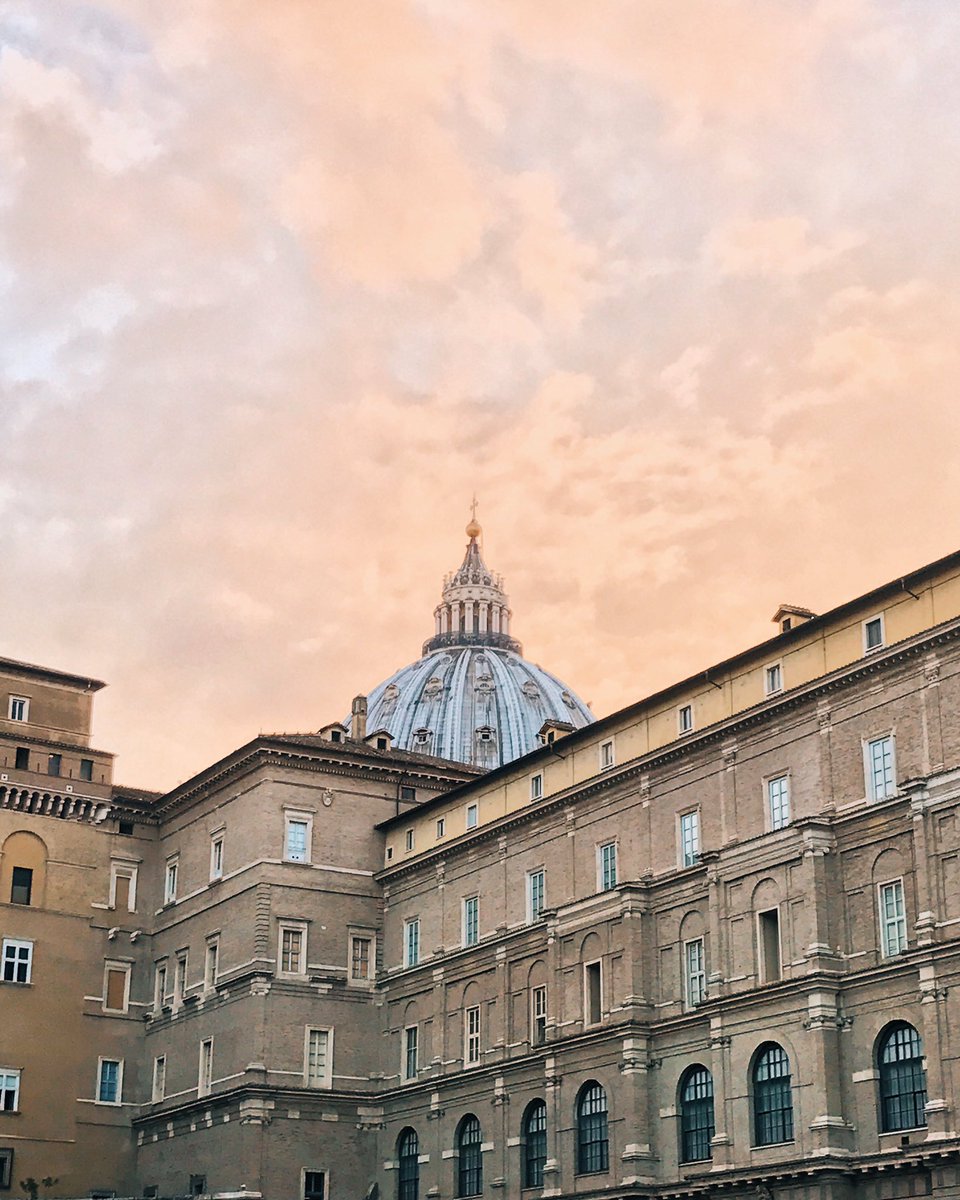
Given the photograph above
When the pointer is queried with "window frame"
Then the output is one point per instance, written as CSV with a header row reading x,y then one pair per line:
x,y
593,1151
589,1021
890,786
693,997
470,920
607,754
536,893
763,975
298,816
877,618
287,926
217,844
409,840
685,723
324,1081
353,937
900,921
171,878
602,884
120,968
786,800
15,961
536,787
158,1083
408,1164
411,942
472,1033
410,1053
472,810
118,1102
533,1153
469,1174
697,1114
161,975
313,1195
123,870
687,859
6,1167
211,954
205,1067
441,827
773,678
781,1117
906,1073
538,991
181,965
14,710
6,1074
28,887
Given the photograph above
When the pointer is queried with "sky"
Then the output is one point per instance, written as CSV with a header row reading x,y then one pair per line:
x,y
672,287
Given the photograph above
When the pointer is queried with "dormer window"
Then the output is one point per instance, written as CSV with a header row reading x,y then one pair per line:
x,y
335,735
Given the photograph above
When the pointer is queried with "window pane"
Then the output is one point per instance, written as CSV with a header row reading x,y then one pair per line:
x,y
593,1148
696,1115
534,1144
903,1080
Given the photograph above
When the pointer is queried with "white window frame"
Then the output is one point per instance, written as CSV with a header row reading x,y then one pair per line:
x,y
171,879
588,1021
411,942
785,801
410,841
877,617
688,857
8,1073
899,922
217,841
773,678
441,827
121,870
538,993
205,1068
158,1087
13,707
298,817
15,945
536,787
405,1073
211,954
471,1036
868,745
534,913
305,1171
465,908
685,723
125,969
298,927
608,754
472,817
602,885
119,1100
694,980
326,1080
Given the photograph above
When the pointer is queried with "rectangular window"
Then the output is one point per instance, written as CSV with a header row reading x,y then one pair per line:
x,y
19,709
22,759
21,885
441,827
536,893
170,881
9,1090
123,888
6,1167
411,942
411,1051
473,816
292,949
109,1081
86,769
159,1078
881,782
17,961
409,843
54,764
211,964
160,986
538,1015
471,920
873,637
768,940
314,1185
690,838
205,1072
695,972
318,1057
216,856
592,993
407,792
471,1028
893,918
606,755
536,787
116,987
607,866
685,718
180,977
773,679
360,959
296,839
778,801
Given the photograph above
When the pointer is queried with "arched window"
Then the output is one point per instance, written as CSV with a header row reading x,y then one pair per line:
x,y
903,1080
593,1143
469,1157
772,1098
408,1156
534,1143
696,1114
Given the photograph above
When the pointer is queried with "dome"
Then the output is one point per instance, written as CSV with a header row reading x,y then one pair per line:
x,y
473,697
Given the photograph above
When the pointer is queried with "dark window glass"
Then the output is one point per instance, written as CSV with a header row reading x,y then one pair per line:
x,y
772,1098
86,769
696,1115
903,1080
53,764
469,1158
314,1185
407,792
198,1185
408,1176
22,761
6,1168
21,885
534,1144
593,1145
125,827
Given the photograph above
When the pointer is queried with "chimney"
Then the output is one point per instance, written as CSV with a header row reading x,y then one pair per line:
x,y
358,719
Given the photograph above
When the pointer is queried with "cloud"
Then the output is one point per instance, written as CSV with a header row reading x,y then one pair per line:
x,y
778,246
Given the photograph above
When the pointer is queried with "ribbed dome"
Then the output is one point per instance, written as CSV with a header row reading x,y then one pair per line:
x,y
472,697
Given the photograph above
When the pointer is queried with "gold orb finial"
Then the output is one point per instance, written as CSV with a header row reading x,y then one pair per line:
x,y
473,525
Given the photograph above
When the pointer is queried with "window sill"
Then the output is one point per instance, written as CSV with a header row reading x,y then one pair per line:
x,y
773,1145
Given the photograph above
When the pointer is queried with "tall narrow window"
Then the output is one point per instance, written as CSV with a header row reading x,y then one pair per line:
x,y
9,1090
54,764
772,1097
160,986
469,1157
536,881
607,866
473,815
471,1035
592,993
296,838
205,1074
211,964
593,1142
536,787
317,1058
778,801
411,942
773,679
116,987
216,856
17,960
880,768
170,880
903,1078
124,889
159,1078
109,1078
86,769
873,634
696,1115
292,950
360,957
315,1182
180,977
471,920
685,718
768,944
408,840
534,1138
538,1015
607,759
19,709
21,885
6,1166
411,1051
408,1166
893,918
441,827
695,972
22,759
690,838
